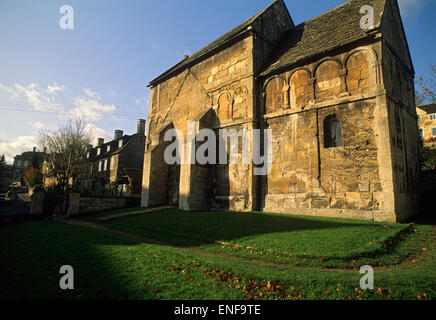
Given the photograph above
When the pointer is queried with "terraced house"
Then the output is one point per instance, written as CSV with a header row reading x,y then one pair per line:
x,y
427,123
118,161
337,97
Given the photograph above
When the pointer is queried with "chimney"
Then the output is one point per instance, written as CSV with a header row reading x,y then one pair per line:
x,y
141,127
34,149
100,141
118,134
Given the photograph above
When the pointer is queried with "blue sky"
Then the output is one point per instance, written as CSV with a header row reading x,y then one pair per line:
x,y
102,67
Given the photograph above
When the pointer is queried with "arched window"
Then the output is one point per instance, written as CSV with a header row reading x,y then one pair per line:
x,y
274,94
328,81
301,91
332,132
358,72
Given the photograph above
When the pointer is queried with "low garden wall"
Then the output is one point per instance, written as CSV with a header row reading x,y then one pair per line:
x,y
83,205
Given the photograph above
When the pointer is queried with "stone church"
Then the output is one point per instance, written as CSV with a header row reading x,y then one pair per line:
x,y
337,97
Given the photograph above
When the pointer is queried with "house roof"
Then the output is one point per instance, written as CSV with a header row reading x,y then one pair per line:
x,y
428,108
187,61
330,30
114,148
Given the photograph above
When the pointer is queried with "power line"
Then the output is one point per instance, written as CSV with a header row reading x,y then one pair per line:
x,y
5,107
57,108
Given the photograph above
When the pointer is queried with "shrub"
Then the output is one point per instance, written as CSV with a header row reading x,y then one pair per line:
x,y
428,158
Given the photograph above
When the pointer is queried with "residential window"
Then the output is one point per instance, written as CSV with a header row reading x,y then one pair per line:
x,y
87,155
112,163
99,166
19,163
433,132
120,143
332,132
26,163
98,151
108,148
433,116
105,165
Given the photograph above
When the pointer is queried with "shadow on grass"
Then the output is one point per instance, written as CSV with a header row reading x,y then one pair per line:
x,y
211,226
103,264
276,233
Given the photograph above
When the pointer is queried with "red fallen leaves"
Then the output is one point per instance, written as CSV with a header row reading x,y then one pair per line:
x,y
157,290
423,296
328,292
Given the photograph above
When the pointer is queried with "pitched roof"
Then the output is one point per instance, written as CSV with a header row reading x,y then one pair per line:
x,y
330,30
428,108
113,148
239,30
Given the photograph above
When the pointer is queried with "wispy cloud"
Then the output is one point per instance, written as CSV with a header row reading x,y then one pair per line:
x,y
36,125
90,93
10,147
90,107
87,105
97,132
54,88
33,95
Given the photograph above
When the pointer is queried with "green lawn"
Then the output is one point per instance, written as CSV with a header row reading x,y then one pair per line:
x,y
109,266
305,241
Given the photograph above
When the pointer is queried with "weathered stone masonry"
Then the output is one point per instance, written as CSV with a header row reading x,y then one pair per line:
x,y
338,99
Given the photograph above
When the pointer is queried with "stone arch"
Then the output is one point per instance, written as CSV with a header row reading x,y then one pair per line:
x,y
240,95
273,94
225,106
328,80
301,89
359,77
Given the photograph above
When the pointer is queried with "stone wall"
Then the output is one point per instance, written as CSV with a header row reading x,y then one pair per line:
x,y
83,205
221,85
343,129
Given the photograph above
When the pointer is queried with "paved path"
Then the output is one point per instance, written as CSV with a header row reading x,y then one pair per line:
x,y
132,213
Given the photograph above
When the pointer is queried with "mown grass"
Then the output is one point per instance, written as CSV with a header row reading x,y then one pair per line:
x,y
109,266
279,238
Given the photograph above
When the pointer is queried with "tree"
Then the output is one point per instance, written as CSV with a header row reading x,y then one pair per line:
x,y
426,92
3,166
428,158
66,152
6,174
32,177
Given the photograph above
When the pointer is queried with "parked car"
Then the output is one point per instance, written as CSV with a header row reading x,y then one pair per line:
x,y
4,200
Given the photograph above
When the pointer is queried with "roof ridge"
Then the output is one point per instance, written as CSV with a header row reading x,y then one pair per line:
x,y
220,40
426,105
334,9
